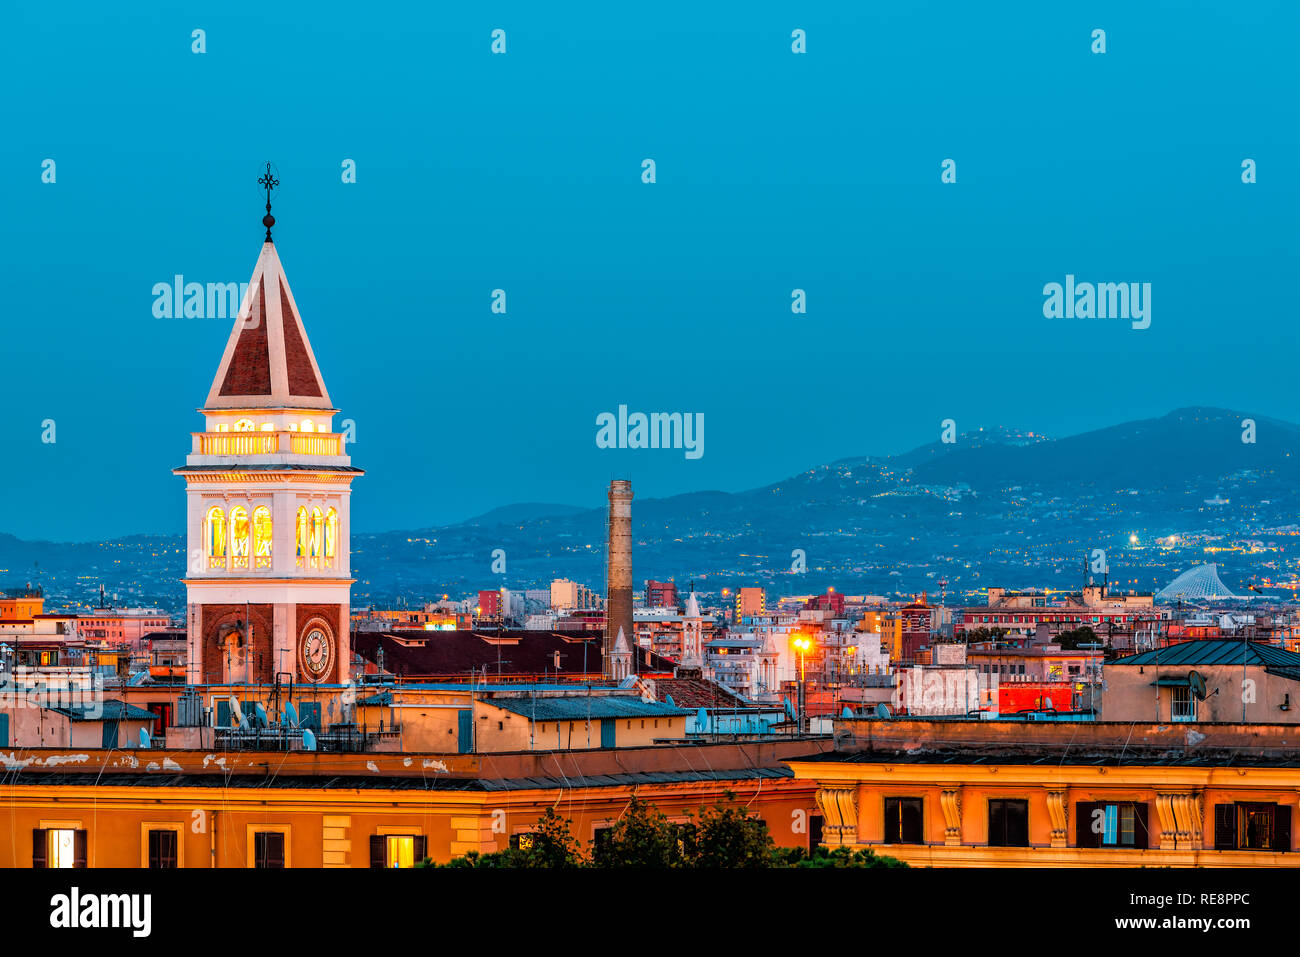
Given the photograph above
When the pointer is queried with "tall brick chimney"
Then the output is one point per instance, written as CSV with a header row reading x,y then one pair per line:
x,y
618,602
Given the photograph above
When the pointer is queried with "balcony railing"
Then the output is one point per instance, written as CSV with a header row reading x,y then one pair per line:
x,y
267,443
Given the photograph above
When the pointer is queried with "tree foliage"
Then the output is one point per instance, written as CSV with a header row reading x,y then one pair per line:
x,y
723,836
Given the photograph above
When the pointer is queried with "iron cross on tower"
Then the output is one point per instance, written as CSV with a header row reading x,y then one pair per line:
x,y
269,182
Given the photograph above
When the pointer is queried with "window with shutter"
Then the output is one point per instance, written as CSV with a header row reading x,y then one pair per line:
x,y
378,847
79,845
1225,827
1086,833
1282,828
1141,833
39,844
421,848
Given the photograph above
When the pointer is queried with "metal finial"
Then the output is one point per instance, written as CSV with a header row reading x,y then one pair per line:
x,y
269,182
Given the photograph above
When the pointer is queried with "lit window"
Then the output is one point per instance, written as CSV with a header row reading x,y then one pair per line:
x,y
223,427
317,531
61,847
331,532
302,536
215,535
400,852
307,426
239,529
262,536
244,425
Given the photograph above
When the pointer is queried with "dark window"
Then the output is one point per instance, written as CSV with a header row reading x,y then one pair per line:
x,y
268,849
1008,823
815,824
1110,824
162,849
1248,826
903,821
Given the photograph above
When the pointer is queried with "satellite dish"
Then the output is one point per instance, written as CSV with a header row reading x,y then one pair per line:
x,y
848,712
882,710
261,715
144,739
1047,705
290,715
1197,682
308,739
701,720
668,700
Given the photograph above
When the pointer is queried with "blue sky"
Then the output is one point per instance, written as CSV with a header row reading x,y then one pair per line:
x,y
775,171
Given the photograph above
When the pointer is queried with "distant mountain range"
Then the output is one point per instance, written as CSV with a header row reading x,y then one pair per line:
x,y
994,507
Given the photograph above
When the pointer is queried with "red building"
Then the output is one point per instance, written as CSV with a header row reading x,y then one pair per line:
x,y
832,602
661,594
489,604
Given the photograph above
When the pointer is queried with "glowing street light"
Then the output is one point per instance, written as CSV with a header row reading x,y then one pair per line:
x,y
801,644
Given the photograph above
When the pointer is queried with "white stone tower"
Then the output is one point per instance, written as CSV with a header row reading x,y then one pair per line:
x,y
268,484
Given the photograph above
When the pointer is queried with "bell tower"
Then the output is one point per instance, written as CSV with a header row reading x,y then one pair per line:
x,y
268,486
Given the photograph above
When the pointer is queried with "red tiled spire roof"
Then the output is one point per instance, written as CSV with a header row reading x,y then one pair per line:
x,y
268,362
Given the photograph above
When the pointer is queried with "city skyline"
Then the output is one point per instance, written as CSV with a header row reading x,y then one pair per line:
x,y
821,172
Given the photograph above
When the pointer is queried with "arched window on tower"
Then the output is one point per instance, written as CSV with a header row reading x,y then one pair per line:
x,y
215,536
262,536
302,538
239,529
317,535
331,535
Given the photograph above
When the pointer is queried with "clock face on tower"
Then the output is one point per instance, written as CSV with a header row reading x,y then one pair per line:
x,y
316,651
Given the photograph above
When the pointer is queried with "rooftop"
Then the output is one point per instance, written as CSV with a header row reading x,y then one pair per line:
x,y
1214,652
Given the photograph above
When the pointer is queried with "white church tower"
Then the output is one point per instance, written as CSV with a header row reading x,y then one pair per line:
x,y
692,633
268,484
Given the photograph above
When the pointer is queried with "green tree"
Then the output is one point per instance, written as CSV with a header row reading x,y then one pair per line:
x,y
1071,640
727,837
551,845
837,857
642,837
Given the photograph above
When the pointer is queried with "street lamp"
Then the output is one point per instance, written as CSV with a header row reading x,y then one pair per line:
x,y
802,644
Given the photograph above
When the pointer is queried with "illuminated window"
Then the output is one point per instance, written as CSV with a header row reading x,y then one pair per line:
x,y
331,532
262,536
239,529
307,426
401,852
223,427
293,426
301,536
317,531
215,534
244,425
61,847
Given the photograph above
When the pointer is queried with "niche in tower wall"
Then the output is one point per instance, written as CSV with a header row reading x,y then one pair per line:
x,y
225,637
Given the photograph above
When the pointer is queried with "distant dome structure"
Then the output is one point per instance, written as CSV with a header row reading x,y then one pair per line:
x,y
1201,583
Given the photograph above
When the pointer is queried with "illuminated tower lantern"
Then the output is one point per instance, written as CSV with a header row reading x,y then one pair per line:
x,y
268,483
